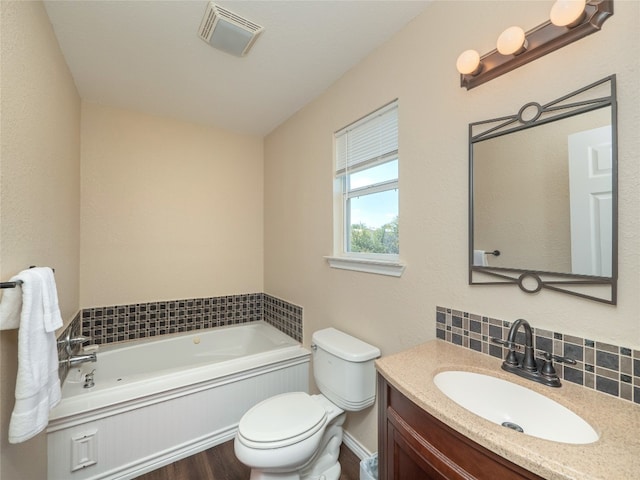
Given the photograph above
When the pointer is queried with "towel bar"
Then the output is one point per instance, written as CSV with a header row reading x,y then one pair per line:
x,y
19,282
10,284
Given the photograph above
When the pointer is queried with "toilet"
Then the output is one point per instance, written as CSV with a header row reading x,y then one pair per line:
x,y
297,436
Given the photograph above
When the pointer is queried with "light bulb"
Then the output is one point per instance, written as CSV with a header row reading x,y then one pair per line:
x,y
469,63
567,13
512,41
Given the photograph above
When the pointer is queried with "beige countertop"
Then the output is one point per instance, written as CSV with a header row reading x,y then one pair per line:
x,y
615,456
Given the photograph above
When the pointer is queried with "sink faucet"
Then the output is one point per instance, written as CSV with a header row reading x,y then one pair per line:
x,y
528,367
529,361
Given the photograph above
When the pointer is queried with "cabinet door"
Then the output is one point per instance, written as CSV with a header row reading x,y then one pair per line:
x,y
406,463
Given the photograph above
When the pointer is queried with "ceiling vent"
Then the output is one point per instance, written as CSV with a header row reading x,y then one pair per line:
x,y
227,31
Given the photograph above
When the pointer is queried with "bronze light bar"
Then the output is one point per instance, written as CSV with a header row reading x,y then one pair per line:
x,y
539,41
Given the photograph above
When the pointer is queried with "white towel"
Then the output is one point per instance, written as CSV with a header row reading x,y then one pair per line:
x,y
37,383
52,317
480,258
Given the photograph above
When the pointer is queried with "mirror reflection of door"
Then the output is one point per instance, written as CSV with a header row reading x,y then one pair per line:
x,y
590,185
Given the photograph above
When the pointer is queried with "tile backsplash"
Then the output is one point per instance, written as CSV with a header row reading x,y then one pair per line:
x,y
118,323
611,369
285,316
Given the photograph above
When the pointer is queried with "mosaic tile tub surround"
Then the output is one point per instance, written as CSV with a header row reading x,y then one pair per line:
x,y
142,320
118,323
611,369
285,316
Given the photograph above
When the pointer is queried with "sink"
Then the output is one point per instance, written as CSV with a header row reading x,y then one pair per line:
x,y
515,407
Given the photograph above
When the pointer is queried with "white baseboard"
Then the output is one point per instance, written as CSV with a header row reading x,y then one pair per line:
x,y
355,446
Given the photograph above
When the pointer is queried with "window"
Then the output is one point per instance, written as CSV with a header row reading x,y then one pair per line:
x,y
366,200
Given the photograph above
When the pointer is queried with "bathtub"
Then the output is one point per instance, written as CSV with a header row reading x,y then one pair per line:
x,y
157,401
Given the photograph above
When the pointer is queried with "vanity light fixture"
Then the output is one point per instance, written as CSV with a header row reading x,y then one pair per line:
x,y
469,63
570,20
512,41
567,13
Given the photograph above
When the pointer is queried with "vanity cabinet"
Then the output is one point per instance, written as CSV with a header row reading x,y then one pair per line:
x,y
414,445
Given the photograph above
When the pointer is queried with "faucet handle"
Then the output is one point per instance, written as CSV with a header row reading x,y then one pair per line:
x,y
568,360
504,343
547,369
69,340
548,356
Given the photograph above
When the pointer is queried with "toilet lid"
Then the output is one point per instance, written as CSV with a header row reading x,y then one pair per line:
x,y
282,417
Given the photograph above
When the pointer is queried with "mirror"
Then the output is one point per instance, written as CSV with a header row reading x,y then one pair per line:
x,y
543,196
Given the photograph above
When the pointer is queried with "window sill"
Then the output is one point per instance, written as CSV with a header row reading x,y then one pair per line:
x,y
380,267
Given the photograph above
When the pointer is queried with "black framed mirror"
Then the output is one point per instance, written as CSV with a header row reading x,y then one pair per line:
x,y
543,207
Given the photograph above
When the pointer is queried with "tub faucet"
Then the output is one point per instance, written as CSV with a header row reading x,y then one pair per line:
x,y
528,367
75,360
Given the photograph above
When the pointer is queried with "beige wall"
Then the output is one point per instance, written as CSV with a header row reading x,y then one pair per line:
x,y
418,67
39,189
169,209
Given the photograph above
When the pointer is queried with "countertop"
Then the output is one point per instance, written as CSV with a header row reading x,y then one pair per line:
x,y
615,456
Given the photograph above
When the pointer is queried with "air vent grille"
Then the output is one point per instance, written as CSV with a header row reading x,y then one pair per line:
x,y
228,31
206,27
232,17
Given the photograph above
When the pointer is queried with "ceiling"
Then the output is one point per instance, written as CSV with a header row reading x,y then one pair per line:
x,y
147,55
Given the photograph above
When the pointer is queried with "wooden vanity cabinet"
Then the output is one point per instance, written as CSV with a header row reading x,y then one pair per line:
x,y
414,445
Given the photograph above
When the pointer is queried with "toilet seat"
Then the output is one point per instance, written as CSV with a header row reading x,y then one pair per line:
x,y
281,421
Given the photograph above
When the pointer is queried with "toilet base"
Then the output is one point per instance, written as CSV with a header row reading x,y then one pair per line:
x,y
260,475
326,466
332,473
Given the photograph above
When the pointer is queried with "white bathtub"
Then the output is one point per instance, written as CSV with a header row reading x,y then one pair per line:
x,y
158,401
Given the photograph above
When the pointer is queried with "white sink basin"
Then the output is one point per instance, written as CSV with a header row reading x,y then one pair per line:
x,y
514,406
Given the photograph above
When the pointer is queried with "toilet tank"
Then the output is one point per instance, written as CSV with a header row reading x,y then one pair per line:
x,y
343,368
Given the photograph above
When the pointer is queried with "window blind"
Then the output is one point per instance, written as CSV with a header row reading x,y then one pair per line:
x,y
369,141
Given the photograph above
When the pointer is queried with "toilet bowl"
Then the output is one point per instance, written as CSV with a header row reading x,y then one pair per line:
x,y
287,433
297,436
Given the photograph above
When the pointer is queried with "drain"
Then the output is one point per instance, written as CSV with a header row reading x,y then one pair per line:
x,y
513,426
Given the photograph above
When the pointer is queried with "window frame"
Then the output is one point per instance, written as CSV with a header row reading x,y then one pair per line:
x,y
380,263
347,195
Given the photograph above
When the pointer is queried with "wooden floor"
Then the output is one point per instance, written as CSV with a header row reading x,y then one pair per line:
x,y
220,463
